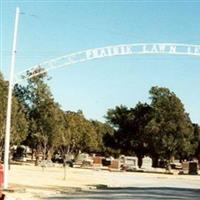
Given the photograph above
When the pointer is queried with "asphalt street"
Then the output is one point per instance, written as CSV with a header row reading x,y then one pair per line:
x,y
132,193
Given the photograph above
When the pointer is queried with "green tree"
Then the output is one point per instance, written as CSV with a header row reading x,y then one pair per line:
x,y
170,129
196,141
130,136
3,105
43,113
119,118
138,135
78,134
19,124
101,130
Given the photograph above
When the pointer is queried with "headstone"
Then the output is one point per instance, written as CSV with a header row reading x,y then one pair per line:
x,y
97,160
193,168
185,166
115,164
146,162
129,162
176,165
106,162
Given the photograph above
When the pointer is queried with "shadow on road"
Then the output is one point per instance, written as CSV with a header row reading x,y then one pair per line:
x,y
132,193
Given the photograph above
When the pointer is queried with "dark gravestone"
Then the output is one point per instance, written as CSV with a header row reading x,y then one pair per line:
x,y
106,162
193,168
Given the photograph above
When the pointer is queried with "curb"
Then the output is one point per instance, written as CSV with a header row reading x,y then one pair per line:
x,y
12,190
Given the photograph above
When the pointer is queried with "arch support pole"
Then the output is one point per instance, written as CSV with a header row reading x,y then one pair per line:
x,y
9,103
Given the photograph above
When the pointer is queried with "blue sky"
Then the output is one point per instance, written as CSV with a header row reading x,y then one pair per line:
x,y
49,29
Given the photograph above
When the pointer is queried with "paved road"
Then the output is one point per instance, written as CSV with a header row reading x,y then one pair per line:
x,y
132,193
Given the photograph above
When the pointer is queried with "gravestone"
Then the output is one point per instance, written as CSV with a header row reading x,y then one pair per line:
x,y
185,166
146,162
193,168
129,162
115,164
97,159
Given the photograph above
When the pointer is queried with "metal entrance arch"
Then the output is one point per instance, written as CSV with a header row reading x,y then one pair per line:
x,y
110,51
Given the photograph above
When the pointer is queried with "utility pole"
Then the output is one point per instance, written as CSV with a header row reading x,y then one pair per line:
x,y
9,103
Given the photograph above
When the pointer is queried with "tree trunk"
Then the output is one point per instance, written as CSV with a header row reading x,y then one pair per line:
x,y
198,157
49,154
168,166
32,153
140,161
37,157
44,151
155,161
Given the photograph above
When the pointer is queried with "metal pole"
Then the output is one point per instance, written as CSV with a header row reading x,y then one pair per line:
x,y
9,103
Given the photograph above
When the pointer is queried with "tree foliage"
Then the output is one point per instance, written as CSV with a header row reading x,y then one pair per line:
x,y
161,130
130,137
78,134
43,114
171,129
19,122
